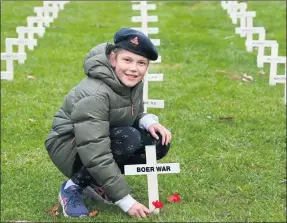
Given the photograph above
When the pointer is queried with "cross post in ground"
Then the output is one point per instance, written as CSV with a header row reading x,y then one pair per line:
x,y
152,169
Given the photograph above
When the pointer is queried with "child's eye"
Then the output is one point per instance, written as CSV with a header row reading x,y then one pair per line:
x,y
142,63
127,60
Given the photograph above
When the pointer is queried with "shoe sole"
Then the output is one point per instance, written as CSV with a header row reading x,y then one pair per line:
x,y
63,208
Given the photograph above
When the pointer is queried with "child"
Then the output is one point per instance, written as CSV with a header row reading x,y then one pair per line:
x,y
101,126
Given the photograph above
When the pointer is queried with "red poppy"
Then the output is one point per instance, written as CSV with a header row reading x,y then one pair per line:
x,y
174,198
157,204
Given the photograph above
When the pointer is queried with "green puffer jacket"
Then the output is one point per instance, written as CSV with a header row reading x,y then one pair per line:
x,y
90,109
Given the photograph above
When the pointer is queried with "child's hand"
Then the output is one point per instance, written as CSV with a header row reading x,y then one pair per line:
x,y
139,210
165,133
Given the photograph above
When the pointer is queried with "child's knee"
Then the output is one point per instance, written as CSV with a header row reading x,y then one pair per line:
x,y
161,151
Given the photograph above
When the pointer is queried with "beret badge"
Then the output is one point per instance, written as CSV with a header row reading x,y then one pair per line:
x,y
135,41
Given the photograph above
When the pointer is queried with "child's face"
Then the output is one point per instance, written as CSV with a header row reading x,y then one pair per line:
x,y
130,68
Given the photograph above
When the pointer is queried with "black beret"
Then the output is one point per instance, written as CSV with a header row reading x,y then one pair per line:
x,y
136,42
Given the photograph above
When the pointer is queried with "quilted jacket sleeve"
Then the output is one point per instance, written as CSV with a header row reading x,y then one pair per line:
x,y
90,117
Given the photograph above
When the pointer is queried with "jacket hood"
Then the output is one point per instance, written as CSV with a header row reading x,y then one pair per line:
x,y
97,65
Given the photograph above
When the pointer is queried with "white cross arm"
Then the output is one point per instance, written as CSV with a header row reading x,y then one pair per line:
x,y
244,14
31,20
59,4
151,103
155,42
51,12
254,30
17,41
154,77
21,57
279,59
22,30
144,169
151,18
262,43
152,30
140,7
7,75
281,79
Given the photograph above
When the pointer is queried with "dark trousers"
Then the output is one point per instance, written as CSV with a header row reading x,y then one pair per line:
x,y
128,147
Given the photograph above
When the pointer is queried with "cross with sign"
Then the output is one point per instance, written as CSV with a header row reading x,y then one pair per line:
x,y
234,8
248,32
152,169
246,21
261,45
10,57
144,19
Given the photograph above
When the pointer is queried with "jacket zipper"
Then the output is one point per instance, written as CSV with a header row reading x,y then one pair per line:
x,y
133,92
132,109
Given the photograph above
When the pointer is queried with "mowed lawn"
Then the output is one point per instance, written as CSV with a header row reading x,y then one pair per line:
x,y
229,136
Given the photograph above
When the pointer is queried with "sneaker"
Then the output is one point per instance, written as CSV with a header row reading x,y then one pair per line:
x,y
72,202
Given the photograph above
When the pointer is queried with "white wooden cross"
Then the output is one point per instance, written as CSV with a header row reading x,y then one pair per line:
x,y
261,45
21,43
39,21
248,32
274,78
50,12
151,169
235,8
30,31
144,19
274,61
10,57
59,4
231,7
246,21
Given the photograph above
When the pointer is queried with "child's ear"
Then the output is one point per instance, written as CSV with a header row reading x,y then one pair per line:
x,y
113,59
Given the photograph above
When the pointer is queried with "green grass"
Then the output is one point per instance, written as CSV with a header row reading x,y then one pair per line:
x,y
230,170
